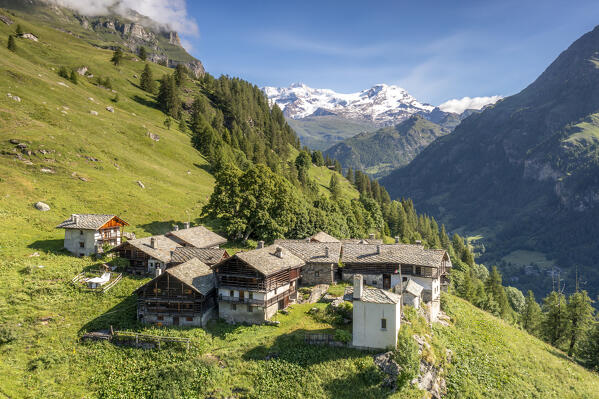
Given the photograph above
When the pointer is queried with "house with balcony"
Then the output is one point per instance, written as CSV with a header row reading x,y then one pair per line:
x,y
387,265
88,234
254,285
184,295
321,259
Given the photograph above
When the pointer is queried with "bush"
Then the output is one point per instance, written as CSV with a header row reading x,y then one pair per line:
x,y
63,72
343,336
6,335
120,263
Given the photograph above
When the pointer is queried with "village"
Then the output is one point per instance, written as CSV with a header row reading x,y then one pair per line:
x,y
195,281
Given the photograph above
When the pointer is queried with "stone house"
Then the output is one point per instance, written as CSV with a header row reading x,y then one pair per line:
x,y
411,293
376,316
184,295
86,234
386,266
254,285
321,259
323,237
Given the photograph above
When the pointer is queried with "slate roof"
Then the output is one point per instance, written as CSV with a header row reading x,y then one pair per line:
x,y
312,252
407,254
209,256
266,262
164,247
372,295
196,274
411,287
361,241
199,237
321,236
87,222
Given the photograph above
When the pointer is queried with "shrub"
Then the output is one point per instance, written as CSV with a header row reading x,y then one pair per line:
x,y
63,72
6,335
343,336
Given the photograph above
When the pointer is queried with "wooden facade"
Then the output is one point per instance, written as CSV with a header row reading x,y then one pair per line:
x,y
139,261
168,301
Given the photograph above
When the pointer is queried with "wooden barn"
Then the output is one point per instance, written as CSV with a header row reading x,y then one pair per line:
x,y
184,295
254,285
87,234
148,255
209,256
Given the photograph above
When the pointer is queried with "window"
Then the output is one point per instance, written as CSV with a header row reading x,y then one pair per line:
x,y
233,306
187,292
251,295
404,279
160,317
383,324
418,271
250,309
81,232
317,274
81,244
231,293
189,318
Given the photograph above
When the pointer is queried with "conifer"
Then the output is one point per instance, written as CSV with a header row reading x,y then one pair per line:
x,y
12,46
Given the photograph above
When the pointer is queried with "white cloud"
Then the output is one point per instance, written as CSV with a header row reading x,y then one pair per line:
x,y
171,14
460,105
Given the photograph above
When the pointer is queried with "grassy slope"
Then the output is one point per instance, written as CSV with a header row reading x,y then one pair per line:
x,y
321,132
46,359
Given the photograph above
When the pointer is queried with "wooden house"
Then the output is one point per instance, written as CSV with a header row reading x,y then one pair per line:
x,y
184,295
87,234
148,255
321,259
253,285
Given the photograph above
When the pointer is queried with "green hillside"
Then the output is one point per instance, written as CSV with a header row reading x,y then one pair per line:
x,y
388,148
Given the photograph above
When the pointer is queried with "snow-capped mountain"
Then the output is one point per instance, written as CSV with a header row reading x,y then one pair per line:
x,y
382,104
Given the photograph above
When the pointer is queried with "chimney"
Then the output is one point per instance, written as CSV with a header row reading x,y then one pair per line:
x,y
371,236
326,252
186,224
75,218
358,286
378,249
153,243
260,244
279,252
397,239
175,227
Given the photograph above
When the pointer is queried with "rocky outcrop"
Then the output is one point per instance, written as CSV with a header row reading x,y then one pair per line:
x,y
388,366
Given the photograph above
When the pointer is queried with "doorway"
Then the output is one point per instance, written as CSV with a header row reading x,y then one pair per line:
x,y
386,281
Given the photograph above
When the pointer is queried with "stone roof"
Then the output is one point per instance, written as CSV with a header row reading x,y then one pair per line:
x,y
321,236
406,254
267,262
199,237
411,287
372,295
194,273
87,221
209,256
164,247
313,252
361,241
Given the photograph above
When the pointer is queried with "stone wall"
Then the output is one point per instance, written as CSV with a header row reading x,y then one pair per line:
x,y
318,273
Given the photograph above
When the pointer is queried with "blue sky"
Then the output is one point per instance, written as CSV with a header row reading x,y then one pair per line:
x,y
437,50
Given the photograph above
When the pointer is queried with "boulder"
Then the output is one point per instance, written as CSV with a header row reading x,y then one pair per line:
x,y
140,184
153,136
46,170
94,112
387,364
110,109
42,206
29,36
81,71
14,141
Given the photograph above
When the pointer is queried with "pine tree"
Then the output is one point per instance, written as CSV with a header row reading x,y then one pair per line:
x,y
168,96
496,292
183,125
334,187
588,351
146,81
580,315
168,122
337,166
12,46
530,317
317,158
180,74
117,56
19,30
445,243
555,318
143,53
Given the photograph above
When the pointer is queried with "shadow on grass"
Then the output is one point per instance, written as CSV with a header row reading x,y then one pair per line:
x,y
121,316
145,102
49,246
206,167
160,227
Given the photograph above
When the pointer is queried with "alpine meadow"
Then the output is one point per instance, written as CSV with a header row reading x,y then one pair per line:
x,y
177,228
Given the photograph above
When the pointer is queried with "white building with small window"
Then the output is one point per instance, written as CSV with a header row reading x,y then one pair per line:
x,y
87,234
376,316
